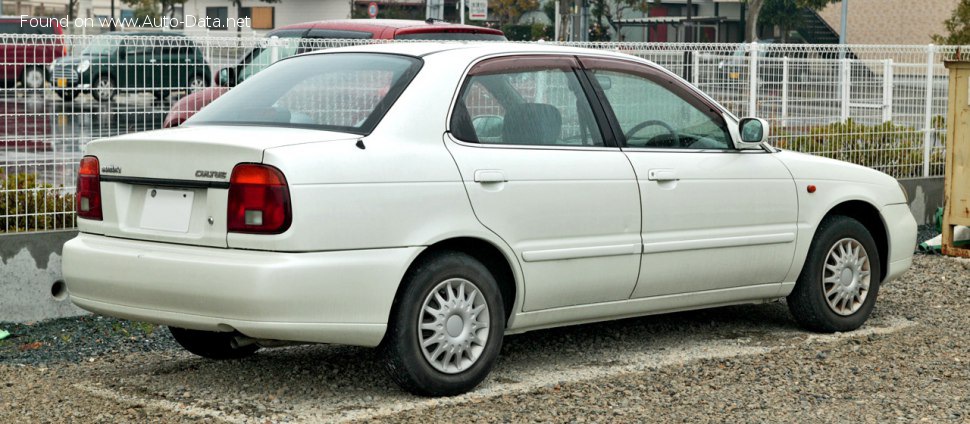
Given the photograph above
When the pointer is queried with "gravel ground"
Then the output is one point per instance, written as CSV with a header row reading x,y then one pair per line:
x,y
736,364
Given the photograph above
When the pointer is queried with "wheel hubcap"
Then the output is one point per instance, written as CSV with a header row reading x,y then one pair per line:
x,y
453,325
104,88
34,79
845,276
196,85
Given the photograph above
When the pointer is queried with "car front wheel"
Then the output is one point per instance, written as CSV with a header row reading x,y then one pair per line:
x,y
837,288
447,327
211,344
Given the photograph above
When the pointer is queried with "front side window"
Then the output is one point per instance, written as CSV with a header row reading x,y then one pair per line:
x,y
651,114
348,92
538,105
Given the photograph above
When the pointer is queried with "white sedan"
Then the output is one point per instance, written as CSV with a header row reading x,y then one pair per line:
x,y
428,199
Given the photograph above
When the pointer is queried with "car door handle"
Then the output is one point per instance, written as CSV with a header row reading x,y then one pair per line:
x,y
662,175
490,176
151,61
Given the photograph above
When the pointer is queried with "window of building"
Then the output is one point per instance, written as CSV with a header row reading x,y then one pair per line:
x,y
217,18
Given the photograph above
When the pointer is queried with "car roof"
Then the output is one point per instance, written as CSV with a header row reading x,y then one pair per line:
x,y
382,24
474,49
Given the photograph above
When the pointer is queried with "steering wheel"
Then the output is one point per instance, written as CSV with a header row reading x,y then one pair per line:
x,y
636,128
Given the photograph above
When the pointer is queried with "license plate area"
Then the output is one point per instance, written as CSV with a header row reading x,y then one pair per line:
x,y
167,210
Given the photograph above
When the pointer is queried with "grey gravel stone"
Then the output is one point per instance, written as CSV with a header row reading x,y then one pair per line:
x,y
734,364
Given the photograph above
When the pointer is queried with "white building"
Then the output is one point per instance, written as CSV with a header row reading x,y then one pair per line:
x,y
195,16
263,16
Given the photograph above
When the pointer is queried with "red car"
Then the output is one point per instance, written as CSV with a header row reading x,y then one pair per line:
x,y
25,60
359,29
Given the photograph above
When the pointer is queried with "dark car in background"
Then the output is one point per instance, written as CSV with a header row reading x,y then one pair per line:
x,y
27,47
304,37
771,58
156,62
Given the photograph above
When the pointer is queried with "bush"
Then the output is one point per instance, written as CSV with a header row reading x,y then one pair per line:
x,y
894,149
26,205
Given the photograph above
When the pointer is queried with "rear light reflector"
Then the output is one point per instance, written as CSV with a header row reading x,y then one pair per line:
x,y
259,200
88,197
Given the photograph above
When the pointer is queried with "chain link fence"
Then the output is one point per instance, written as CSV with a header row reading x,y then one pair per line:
x,y
878,106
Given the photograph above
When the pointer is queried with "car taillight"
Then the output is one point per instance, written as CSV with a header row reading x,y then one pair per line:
x,y
259,200
88,197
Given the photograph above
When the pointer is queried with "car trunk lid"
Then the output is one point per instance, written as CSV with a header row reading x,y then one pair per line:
x,y
172,185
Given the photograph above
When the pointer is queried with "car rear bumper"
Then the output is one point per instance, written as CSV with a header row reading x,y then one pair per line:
x,y
325,297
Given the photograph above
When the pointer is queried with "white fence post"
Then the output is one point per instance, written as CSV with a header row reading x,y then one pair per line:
x,y
784,91
695,75
753,80
274,52
928,110
844,79
887,90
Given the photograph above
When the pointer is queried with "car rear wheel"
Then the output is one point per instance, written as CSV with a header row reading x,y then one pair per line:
x,y
103,88
837,288
33,77
447,327
211,344
161,94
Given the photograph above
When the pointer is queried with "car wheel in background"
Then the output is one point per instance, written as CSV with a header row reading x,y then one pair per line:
x,y
33,77
446,328
211,344
103,88
161,94
196,83
837,288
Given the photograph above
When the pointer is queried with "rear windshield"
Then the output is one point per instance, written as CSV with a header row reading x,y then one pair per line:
x,y
347,92
473,36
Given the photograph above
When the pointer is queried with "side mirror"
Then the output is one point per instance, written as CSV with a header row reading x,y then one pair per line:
x,y
753,131
227,77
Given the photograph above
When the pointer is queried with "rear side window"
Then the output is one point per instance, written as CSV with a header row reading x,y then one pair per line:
x,y
525,101
347,92
468,36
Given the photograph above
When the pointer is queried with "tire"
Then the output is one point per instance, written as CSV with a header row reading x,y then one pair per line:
x,y
103,88
211,344
451,276
196,83
33,77
161,94
66,95
808,302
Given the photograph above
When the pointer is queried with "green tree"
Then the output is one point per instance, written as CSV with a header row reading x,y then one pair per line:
x,y
784,13
613,10
507,11
957,27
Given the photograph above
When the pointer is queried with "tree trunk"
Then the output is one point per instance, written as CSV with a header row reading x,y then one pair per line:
x,y
751,19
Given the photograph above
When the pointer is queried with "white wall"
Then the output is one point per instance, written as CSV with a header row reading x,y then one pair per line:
x,y
286,13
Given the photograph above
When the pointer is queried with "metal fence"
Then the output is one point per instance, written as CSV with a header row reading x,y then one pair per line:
x,y
878,106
